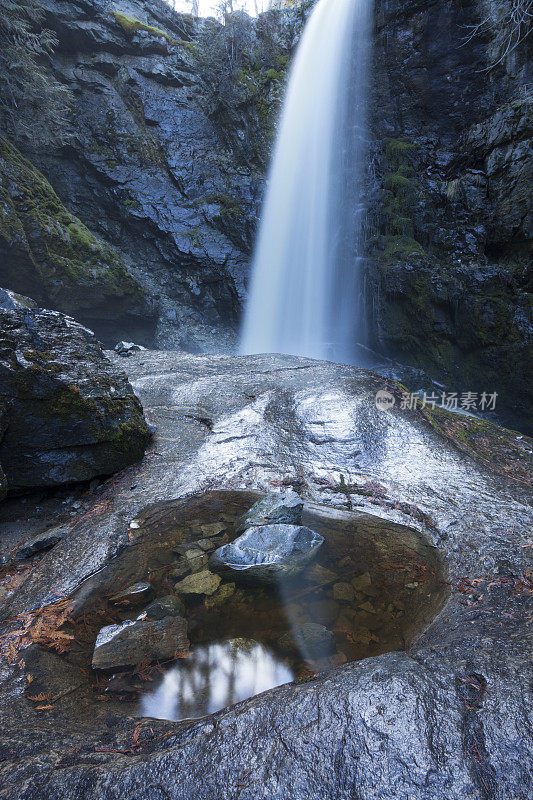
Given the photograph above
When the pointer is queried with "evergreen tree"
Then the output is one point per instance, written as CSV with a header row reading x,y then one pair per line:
x,y
31,99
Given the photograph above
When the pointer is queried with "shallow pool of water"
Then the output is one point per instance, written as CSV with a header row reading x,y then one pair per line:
x,y
372,588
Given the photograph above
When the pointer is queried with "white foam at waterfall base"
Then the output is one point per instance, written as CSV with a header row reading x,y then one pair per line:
x,y
305,291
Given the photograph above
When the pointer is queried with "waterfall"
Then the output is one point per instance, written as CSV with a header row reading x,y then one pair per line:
x,y
305,291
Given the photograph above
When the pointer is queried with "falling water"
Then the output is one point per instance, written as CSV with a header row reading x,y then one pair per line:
x,y
305,287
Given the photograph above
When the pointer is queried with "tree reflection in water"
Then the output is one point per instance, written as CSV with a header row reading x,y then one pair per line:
x,y
214,676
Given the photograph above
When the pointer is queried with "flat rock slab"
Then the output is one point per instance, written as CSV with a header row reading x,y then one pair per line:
x,y
268,553
140,640
447,719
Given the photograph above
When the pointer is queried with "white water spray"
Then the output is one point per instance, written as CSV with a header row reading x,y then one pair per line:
x,y
305,289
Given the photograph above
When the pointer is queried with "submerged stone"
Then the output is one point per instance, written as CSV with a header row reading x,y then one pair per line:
x,y
320,575
134,595
168,606
223,593
362,582
213,528
181,569
343,592
134,641
309,637
196,559
267,553
203,582
275,507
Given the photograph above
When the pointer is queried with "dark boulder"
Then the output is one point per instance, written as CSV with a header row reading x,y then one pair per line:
x,y
168,606
68,413
267,553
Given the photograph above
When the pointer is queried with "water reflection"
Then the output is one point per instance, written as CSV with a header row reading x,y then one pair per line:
x,y
214,676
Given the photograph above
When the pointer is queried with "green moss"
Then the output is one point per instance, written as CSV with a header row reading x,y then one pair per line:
x,y
398,150
401,247
397,181
130,26
399,196
196,236
65,256
133,203
189,47
10,225
495,447
264,88
229,206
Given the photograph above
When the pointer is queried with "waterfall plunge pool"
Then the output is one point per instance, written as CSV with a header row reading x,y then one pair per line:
x,y
373,587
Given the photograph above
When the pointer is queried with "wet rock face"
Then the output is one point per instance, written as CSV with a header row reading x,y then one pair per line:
x,y
267,553
448,276
135,641
68,413
167,148
49,253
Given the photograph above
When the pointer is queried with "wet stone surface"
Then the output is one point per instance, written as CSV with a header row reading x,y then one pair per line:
x,y
137,641
268,553
445,715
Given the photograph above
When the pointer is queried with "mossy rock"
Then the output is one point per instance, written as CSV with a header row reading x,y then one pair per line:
x,y
130,26
68,414
49,253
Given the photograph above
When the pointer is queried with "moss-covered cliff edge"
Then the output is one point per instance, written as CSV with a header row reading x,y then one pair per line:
x,y
49,253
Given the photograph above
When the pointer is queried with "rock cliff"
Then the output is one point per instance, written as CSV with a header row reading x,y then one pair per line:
x,y
163,158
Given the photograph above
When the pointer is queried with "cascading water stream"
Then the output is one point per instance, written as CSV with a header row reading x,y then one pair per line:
x,y
305,289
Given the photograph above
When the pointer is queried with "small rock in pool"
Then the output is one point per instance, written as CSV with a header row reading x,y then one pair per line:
x,y
310,639
276,507
140,640
134,595
168,606
343,592
124,684
203,582
196,559
320,575
181,569
213,528
222,594
267,553
206,544
361,582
